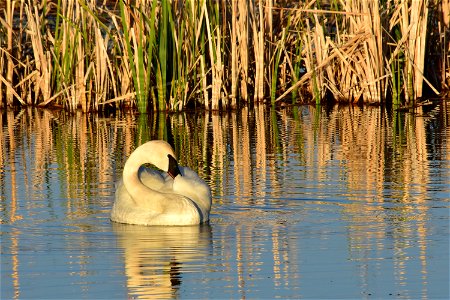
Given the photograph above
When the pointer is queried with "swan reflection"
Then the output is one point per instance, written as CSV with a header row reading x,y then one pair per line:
x,y
155,256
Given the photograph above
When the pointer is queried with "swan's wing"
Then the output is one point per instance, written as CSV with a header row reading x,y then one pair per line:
x,y
127,210
153,179
195,188
194,183
156,208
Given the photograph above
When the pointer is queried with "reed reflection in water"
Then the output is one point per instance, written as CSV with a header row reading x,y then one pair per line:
x,y
344,202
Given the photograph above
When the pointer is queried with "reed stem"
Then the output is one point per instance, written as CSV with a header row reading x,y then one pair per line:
x,y
171,54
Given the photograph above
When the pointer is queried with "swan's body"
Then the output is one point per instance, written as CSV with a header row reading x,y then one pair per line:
x,y
174,196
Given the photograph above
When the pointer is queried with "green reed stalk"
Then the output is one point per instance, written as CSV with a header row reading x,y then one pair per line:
x,y
57,36
297,68
395,82
214,37
194,57
276,65
136,58
181,58
69,59
203,55
151,42
140,64
397,67
71,56
163,40
180,82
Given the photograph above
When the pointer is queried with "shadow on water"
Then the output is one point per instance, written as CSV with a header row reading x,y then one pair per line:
x,y
349,198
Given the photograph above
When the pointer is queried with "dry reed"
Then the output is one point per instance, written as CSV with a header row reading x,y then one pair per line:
x,y
169,55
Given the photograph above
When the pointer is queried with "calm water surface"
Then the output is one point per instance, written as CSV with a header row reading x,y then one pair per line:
x,y
307,203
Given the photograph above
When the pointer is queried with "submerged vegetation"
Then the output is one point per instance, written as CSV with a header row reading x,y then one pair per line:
x,y
169,55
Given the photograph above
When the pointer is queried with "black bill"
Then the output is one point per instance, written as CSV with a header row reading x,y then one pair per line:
x,y
173,171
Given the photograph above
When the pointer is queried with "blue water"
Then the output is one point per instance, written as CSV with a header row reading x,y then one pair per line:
x,y
347,203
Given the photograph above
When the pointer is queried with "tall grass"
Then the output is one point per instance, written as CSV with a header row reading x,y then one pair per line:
x,y
173,54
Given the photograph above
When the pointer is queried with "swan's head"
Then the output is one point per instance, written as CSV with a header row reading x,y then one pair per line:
x,y
160,154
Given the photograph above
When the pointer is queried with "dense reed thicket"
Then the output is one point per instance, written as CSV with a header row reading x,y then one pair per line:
x,y
169,55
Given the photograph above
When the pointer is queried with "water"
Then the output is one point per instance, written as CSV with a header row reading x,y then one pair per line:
x,y
331,203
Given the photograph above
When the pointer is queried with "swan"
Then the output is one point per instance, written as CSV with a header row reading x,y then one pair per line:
x,y
174,196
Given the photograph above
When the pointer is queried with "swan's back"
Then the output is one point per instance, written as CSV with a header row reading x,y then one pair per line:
x,y
165,209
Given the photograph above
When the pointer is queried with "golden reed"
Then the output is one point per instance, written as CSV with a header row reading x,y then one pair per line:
x,y
173,54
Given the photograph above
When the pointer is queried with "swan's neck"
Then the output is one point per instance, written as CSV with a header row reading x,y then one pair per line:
x,y
131,178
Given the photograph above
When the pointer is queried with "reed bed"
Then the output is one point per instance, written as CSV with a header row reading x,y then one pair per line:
x,y
172,54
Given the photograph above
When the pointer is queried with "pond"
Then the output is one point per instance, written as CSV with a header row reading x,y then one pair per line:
x,y
308,202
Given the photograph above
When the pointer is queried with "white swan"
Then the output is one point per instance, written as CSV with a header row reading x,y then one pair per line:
x,y
177,196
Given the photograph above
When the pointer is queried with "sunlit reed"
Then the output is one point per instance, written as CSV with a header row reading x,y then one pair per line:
x,y
170,55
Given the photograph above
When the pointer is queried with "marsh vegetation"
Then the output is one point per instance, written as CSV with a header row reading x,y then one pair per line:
x,y
170,55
